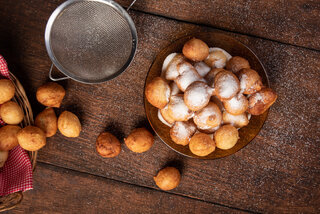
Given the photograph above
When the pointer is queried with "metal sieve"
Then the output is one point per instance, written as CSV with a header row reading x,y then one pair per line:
x,y
90,41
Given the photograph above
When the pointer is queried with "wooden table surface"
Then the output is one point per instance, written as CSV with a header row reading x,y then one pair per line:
x,y
278,172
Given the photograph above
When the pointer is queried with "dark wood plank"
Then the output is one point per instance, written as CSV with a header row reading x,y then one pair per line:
x,y
295,22
278,172
58,190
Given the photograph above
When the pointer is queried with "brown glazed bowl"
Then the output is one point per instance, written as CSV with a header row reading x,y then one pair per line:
x,y
235,48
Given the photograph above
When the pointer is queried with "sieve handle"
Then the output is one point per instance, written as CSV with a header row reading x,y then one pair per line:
x,y
56,79
128,8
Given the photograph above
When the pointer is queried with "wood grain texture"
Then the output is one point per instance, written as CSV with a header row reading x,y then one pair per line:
x,y
278,172
295,22
64,191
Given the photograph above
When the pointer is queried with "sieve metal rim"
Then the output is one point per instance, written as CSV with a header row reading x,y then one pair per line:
x,y
59,66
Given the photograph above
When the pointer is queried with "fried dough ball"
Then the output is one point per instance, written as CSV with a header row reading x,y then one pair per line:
x,y
208,117
202,68
260,101
202,144
31,138
3,157
250,81
139,140
237,121
11,113
211,75
195,50
197,95
50,94
69,124
47,121
166,116
8,137
107,145
188,75
170,69
226,85
236,105
216,59
167,178
158,92
226,137
178,110
160,117
236,63
174,89
7,90
181,132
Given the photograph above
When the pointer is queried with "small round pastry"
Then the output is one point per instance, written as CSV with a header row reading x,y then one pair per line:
x,y
208,117
158,92
237,121
181,132
170,65
197,95
139,140
50,94
7,90
31,138
236,63
3,157
160,117
216,59
188,75
167,178
223,51
226,137
174,89
107,145
69,124
11,113
8,137
211,75
226,85
250,81
202,144
236,105
47,121
202,68
166,116
178,110
195,50
260,101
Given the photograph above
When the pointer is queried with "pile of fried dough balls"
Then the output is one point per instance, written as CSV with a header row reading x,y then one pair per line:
x,y
205,95
33,138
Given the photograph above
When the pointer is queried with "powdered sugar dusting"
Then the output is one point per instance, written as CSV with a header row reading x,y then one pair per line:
x,y
197,95
167,61
220,49
174,89
187,77
178,108
228,86
202,68
243,80
183,130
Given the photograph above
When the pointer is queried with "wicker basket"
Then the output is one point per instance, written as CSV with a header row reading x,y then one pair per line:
x,y
10,201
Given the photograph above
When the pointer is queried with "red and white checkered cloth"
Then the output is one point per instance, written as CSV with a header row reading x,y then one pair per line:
x,y
16,174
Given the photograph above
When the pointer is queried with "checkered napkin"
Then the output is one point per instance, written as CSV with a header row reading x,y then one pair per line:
x,y
16,174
